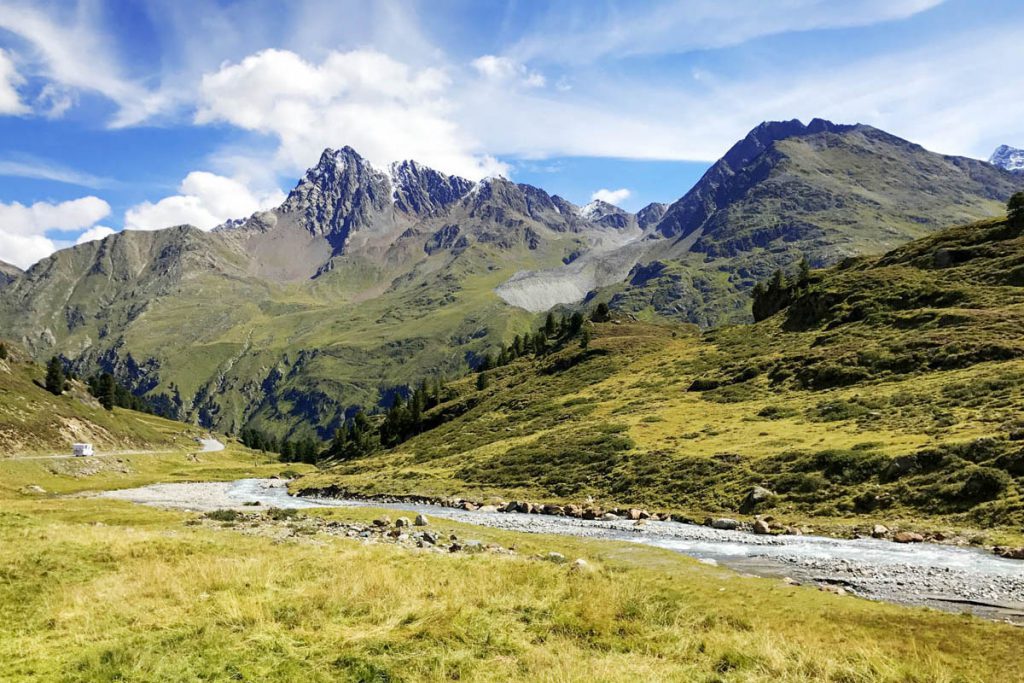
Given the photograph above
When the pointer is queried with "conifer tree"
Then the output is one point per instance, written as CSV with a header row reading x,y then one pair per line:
x,y
55,376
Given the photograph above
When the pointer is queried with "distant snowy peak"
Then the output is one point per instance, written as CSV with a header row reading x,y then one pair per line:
x,y
1008,158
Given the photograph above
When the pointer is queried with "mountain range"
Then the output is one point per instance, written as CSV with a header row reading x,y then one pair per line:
x,y
365,280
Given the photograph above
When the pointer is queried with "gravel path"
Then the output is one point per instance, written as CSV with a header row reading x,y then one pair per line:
x,y
941,576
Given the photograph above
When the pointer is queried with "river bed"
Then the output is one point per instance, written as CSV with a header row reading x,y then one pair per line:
x,y
940,576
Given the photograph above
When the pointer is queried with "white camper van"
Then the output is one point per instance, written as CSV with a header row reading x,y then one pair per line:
x,y
81,449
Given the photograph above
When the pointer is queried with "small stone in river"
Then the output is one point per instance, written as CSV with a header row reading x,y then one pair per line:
x,y
725,523
761,528
908,537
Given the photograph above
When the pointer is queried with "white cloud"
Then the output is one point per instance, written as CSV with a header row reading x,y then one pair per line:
x,y
611,196
97,232
10,79
383,108
206,201
23,250
23,239
505,70
36,219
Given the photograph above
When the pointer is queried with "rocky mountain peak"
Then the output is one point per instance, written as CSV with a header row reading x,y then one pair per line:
x,y
340,192
1008,158
416,188
650,215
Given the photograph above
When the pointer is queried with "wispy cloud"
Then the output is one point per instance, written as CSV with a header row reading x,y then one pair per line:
x,y
10,79
75,54
581,32
26,166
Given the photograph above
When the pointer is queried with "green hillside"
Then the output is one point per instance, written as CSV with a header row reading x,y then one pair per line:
x,y
33,420
887,386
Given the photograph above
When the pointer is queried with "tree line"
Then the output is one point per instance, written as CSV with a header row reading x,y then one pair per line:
x,y
102,386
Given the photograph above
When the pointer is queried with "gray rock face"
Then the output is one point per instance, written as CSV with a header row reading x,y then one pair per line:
x,y
1008,158
8,273
341,193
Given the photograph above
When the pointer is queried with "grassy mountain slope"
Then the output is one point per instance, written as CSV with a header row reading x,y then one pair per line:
x,y
787,191
889,386
32,420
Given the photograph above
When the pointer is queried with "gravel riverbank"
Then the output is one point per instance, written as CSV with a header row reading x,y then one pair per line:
x,y
944,577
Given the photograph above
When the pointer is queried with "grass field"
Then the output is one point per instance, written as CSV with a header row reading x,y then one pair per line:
x,y
101,590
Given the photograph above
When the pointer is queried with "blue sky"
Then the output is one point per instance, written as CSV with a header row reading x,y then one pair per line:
x,y
150,113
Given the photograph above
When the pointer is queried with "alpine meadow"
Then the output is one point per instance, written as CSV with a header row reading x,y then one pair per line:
x,y
570,341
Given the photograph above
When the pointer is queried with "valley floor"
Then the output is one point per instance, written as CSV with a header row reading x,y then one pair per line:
x,y
97,589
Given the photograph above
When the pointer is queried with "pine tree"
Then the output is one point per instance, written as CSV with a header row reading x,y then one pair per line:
x,y
803,270
1015,210
106,391
540,343
601,314
55,376
482,381
549,324
575,323
585,338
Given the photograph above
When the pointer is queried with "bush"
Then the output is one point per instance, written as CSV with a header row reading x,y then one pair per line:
x,y
984,483
223,515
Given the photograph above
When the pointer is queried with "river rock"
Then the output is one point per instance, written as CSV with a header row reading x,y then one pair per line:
x,y
609,517
761,528
1010,553
421,520
430,537
724,523
755,497
403,522
469,506
382,521
573,511
879,531
635,514
487,508
556,510
908,537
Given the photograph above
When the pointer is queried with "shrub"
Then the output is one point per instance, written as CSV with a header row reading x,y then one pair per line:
x,y
984,483
223,515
